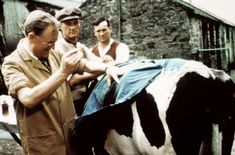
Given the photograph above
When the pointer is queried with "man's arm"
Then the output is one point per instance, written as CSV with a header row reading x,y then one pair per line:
x,y
70,63
89,55
111,71
30,97
122,53
77,79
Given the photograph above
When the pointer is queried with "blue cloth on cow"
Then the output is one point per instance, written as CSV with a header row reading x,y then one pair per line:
x,y
140,74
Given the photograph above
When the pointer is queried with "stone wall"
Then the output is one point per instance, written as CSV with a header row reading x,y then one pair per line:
x,y
151,28
93,9
195,35
10,147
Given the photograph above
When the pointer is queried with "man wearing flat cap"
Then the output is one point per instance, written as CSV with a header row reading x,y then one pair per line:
x,y
70,29
70,19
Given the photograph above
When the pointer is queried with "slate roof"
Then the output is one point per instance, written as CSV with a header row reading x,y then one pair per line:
x,y
205,13
62,3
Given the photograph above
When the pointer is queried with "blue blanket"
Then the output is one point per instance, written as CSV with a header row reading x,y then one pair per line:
x,y
140,74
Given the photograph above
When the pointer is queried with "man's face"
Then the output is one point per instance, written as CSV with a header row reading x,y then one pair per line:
x,y
42,44
70,28
103,32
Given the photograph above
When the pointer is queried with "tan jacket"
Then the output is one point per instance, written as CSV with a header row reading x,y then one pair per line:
x,y
44,129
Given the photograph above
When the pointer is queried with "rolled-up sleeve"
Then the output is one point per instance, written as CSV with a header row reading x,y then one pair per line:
x,y
122,53
14,77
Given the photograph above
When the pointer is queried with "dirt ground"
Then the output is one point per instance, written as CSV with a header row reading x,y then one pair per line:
x,y
10,147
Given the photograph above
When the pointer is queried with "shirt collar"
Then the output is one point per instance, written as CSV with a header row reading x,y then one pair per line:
x,y
28,53
68,44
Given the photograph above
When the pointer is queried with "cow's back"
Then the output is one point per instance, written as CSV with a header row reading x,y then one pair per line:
x,y
171,116
187,103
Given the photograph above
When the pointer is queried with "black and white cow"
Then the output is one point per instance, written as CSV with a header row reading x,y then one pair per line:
x,y
178,113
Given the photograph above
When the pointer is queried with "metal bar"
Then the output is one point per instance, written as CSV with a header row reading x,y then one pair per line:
x,y
16,138
212,49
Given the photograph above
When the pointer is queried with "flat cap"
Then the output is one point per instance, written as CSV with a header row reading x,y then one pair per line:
x,y
36,17
68,13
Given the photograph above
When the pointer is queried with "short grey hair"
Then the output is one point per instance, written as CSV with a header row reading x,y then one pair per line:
x,y
37,21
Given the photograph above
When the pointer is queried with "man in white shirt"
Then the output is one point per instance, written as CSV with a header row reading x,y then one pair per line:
x,y
106,47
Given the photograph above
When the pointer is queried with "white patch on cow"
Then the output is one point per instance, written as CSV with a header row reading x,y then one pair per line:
x,y
116,144
221,75
198,67
162,89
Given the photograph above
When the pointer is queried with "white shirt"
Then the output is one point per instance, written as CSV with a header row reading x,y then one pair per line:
x,y
122,51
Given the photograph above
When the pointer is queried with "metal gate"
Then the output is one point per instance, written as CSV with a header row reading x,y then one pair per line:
x,y
218,58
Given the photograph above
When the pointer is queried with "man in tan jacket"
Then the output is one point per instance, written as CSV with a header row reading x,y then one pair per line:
x,y
37,77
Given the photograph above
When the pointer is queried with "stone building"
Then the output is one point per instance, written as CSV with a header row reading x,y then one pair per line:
x,y
151,28
164,28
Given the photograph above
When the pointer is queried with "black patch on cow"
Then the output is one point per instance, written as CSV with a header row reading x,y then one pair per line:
x,y
149,119
110,95
147,110
196,103
91,130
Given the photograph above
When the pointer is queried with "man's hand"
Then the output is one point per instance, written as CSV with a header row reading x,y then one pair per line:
x,y
107,59
113,73
70,61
